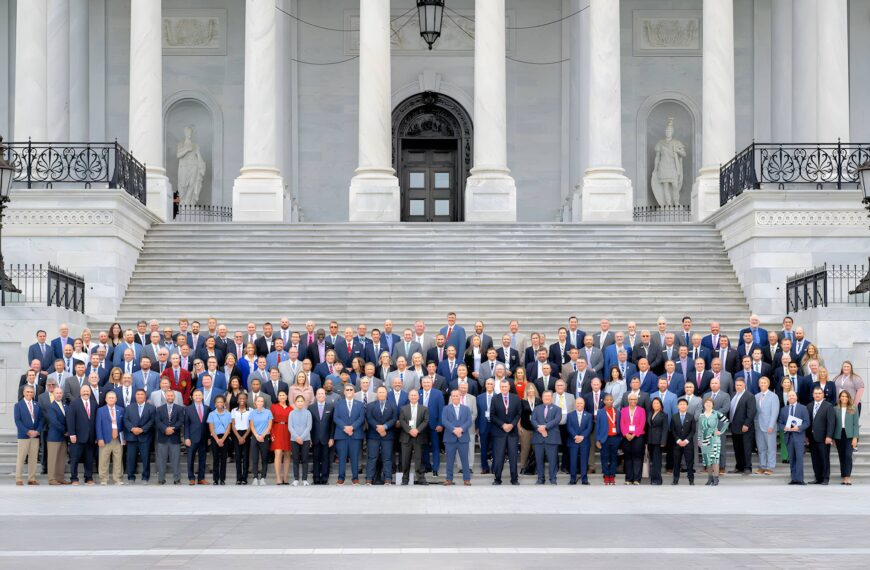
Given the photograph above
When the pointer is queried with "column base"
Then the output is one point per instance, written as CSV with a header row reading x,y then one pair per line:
x,y
374,199
258,199
705,194
158,197
606,196
490,198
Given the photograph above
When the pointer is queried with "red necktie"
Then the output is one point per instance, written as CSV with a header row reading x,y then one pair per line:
x,y
88,408
505,403
699,378
349,349
279,358
330,369
449,330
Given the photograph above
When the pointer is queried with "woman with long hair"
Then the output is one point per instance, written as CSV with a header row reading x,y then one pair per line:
x,y
849,381
529,401
846,431
711,426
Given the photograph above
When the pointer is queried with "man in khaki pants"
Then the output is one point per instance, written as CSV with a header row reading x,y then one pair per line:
x,y
28,422
55,417
110,439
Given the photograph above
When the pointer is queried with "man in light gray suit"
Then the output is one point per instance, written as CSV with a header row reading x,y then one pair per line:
x,y
426,341
766,418
695,402
487,368
519,341
374,381
158,397
367,392
592,354
726,381
291,367
60,375
409,378
153,348
406,347
465,399
256,391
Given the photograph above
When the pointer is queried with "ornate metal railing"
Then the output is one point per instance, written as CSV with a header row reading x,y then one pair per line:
x,y
652,214
825,285
89,164
203,213
36,284
825,165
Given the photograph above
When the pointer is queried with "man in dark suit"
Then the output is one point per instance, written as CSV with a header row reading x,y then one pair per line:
x,y
321,436
504,416
759,335
535,367
580,425
485,340
531,351
712,341
558,353
484,426
547,381
346,349
94,366
683,434
649,350
747,345
414,434
580,381
63,339
275,385
41,350
786,347
381,418
139,433
696,351
742,417
727,355
263,344
546,438
349,417
169,423
821,435
438,352
454,335
794,438
700,378
749,376
433,400
196,438
456,420
507,355
81,425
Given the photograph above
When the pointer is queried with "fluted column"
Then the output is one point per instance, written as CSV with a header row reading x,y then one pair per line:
x,y
146,102
805,74
781,80
606,194
258,192
718,106
490,192
79,76
832,89
374,189
31,71
58,70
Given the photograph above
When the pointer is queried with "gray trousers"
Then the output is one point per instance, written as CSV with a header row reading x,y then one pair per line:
x,y
172,452
766,443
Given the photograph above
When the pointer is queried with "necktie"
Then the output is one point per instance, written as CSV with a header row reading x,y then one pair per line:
x,y
791,410
349,349
320,410
349,407
546,410
425,398
114,423
126,396
279,358
815,410
30,407
699,378
682,419
449,330
62,410
440,354
513,340
366,400
199,411
382,408
505,403
595,401
88,408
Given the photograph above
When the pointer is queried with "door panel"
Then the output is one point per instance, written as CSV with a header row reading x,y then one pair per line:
x,y
429,185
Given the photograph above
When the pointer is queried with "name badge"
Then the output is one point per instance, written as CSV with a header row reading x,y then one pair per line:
x,y
630,429
412,424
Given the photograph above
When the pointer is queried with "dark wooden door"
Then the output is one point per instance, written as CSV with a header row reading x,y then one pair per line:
x,y
429,185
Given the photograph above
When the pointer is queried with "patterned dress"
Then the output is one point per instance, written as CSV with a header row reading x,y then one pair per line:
x,y
711,444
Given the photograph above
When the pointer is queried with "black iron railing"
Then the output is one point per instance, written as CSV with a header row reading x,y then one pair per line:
x,y
203,213
44,164
49,285
825,285
652,214
825,165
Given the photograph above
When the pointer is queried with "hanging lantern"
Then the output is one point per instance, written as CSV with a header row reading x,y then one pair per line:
x,y
430,13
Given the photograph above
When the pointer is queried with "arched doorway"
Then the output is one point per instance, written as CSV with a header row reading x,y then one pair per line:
x,y
432,144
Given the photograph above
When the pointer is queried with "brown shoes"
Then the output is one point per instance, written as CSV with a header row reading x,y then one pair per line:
x,y
203,482
448,483
467,483
19,483
192,482
33,482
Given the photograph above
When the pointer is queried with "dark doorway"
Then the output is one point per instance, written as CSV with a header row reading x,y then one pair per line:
x,y
432,156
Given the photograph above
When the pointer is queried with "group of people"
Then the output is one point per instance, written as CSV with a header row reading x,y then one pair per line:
x,y
655,401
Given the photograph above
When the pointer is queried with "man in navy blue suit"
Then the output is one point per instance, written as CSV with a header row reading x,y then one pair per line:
x,y
321,436
28,424
456,420
42,351
81,425
546,438
196,438
64,339
759,335
348,416
580,424
434,401
454,335
484,405
507,355
110,439
381,418
504,416
139,433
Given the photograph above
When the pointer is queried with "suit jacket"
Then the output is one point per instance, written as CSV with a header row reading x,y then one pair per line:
x,y
39,389
158,399
183,385
704,385
375,417
533,366
149,384
422,423
270,390
558,355
649,381
56,421
485,342
414,346
747,350
767,411
102,373
118,354
24,422
653,354
321,428
267,399
435,405
498,416
550,420
355,418
263,346
450,421
72,387
196,430
721,401
703,352
104,424
712,344
744,414
595,358
609,339
289,371
751,380
79,424
486,372
448,374
119,393
57,346
512,361
410,381
585,383
373,354
731,363
542,384
643,400
34,352
830,389
145,421
610,355
457,338
346,356
313,352
602,425
823,423
530,354
579,425
149,351
800,412
762,335
683,430
589,398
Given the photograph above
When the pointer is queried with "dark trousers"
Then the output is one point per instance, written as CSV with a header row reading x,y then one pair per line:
x,y
197,452
321,463
348,448
508,443
81,452
609,455
299,452
820,453
634,459
383,449
414,448
743,449
794,442
219,460
844,451
548,450
579,460
485,448
43,450
432,450
565,461
260,458
135,450
684,455
243,457
655,463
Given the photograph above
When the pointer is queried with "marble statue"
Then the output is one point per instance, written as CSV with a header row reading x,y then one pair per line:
x,y
667,175
191,169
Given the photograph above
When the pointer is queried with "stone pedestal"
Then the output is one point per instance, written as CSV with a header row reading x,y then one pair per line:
x,y
158,197
606,196
705,194
490,198
257,198
374,198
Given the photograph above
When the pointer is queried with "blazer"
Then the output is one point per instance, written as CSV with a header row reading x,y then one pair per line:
x,y
512,361
354,418
150,384
409,378
703,352
102,372
579,425
56,420
312,352
498,416
270,390
145,421
78,423
683,429
262,346
444,369
422,424
289,371
589,398
542,384
104,424
550,420
824,423
704,386
643,400
712,344
639,421
24,422
450,421
602,425
800,412
194,429
373,354
118,354
483,415
435,407
677,385
721,401
830,389
218,380
584,385
399,350
609,339
375,417
457,338
751,379
163,421
744,413
473,388
38,390
767,411
596,357
731,362
345,356
267,399
321,428
851,425
57,345
762,334
653,354
34,352
557,356
649,381
658,428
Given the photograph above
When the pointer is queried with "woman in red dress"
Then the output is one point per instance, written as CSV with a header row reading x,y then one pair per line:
x,y
281,438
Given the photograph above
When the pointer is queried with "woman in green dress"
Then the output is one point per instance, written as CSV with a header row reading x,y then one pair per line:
x,y
711,425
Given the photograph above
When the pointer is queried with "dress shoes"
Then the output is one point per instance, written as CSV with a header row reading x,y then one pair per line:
x,y
495,482
467,483
202,482
736,471
355,481
584,482
691,483
421,482
192,482
515,482
405,483
448,483
19,483
485,472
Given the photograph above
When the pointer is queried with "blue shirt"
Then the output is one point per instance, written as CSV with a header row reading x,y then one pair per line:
x,y
260,419
222,420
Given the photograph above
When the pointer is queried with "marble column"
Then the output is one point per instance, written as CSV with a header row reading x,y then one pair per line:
x,y
374,189
31,71
718,107
79,76
781,80
832,89
804,71
258,192
58,70
146,102
490,192
606,193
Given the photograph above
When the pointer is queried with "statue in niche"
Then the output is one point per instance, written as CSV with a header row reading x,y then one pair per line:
x,y
191,169
667,174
